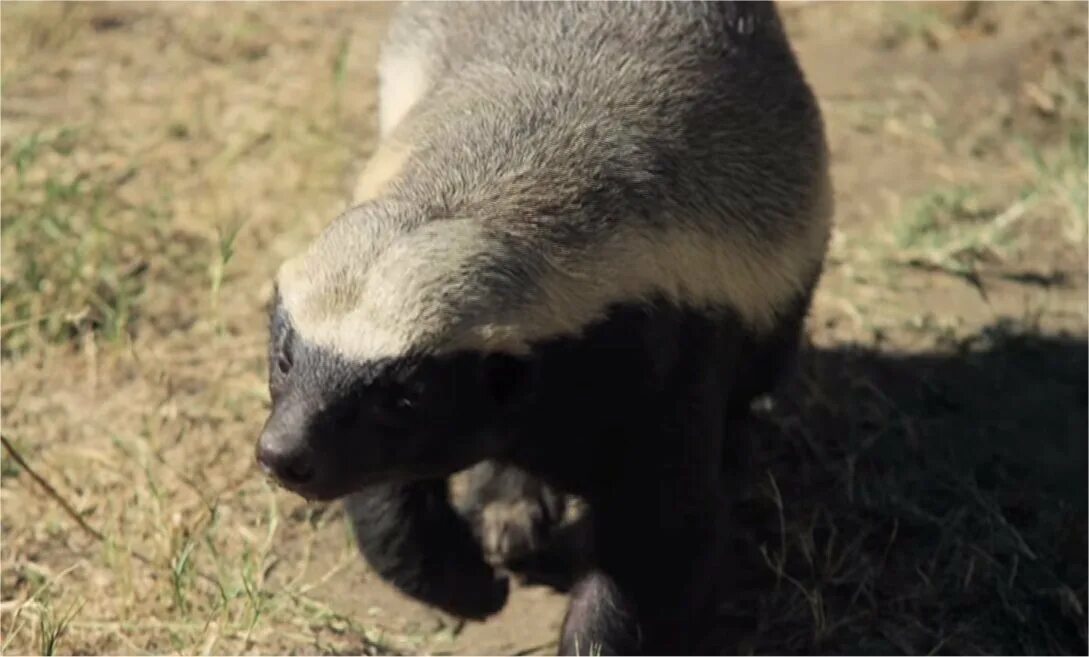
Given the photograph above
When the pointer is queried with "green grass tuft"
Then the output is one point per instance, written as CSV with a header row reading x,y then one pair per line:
x,y
71,262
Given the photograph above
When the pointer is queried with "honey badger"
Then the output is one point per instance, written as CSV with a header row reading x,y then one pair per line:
x,y
588,239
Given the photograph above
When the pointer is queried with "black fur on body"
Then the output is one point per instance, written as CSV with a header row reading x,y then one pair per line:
x,y
645,395
598,249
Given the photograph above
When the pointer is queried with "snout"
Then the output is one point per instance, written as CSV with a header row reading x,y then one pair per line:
x,y
284,451
291,464
304,454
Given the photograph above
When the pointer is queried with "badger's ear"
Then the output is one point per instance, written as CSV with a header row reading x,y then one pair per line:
x,y
277,322
508,379
280,356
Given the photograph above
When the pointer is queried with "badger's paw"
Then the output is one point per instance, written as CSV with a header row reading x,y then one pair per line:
x,y
525,528
514,530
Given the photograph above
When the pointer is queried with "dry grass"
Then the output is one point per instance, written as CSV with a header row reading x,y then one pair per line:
x,y
158,162
924,490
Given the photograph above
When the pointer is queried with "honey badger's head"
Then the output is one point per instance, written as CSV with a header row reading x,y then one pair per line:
x,y
366,382
402,340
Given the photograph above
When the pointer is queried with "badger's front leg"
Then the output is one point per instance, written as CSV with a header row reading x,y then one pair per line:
x,y
658,544
657,577
416,541
659,521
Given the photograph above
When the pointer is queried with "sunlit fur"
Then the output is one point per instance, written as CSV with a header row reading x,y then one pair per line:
x,y
520,195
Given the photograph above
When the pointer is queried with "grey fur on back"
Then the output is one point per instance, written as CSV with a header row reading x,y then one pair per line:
x,y
559,158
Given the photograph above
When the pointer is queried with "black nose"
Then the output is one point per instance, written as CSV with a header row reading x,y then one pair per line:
x,y
293,465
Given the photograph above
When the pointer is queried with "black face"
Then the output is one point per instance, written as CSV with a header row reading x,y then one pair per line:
x,y
336,426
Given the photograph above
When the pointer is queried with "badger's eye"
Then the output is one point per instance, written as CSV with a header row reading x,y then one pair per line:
x,y
283,362
395,410
284,358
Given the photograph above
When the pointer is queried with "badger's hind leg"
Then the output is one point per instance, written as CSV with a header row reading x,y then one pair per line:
x,y
525,527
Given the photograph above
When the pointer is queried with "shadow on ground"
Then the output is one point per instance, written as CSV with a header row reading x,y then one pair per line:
x,y
923,503
914,503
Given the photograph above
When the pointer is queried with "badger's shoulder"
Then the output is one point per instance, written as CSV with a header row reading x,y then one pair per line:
x,y
521,196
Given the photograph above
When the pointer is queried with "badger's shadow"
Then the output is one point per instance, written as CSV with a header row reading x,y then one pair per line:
x,y
904,503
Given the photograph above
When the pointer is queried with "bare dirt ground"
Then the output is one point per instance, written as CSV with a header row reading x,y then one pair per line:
x,y
923,489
